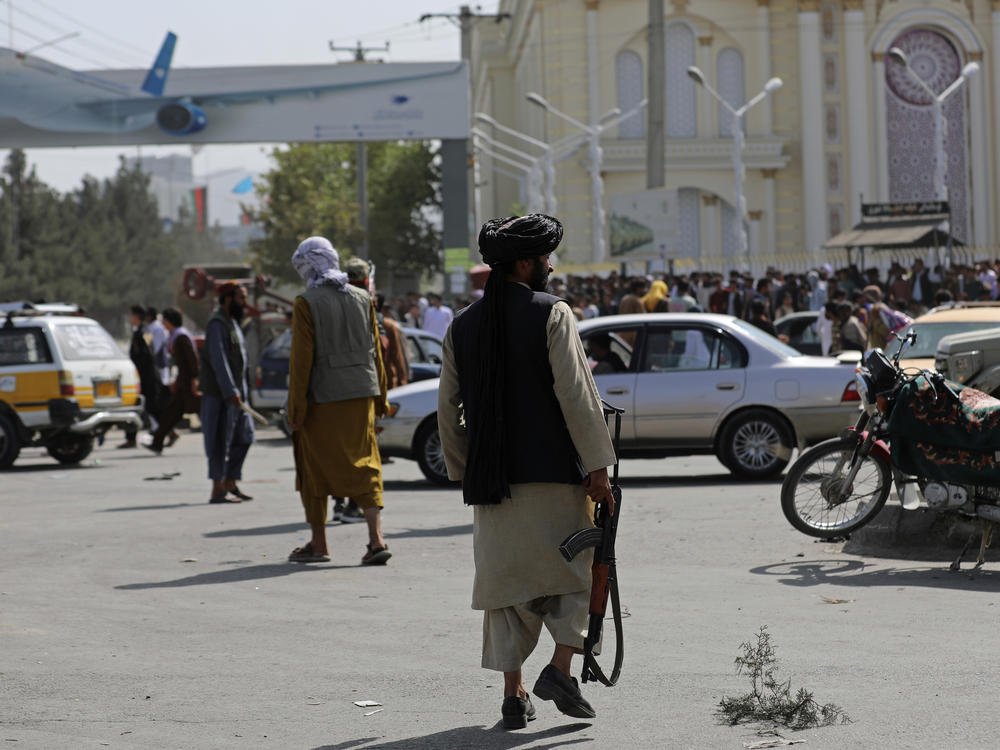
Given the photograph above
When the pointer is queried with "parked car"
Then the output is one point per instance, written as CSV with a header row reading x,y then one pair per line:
x,y
691,383
799,330
63,383
972,359
936,324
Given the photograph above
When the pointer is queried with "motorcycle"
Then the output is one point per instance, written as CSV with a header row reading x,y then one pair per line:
x,y
944,455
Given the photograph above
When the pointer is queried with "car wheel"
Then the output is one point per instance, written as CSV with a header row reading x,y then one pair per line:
x,y
755,444
10,445
69,448
429,452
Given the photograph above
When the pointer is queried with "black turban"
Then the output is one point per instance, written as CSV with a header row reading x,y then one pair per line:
x,y
518,237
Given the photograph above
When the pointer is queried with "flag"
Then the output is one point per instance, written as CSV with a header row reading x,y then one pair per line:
x,y
199,208
244,186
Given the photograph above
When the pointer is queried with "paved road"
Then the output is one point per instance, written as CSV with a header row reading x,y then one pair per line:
x,y
135,615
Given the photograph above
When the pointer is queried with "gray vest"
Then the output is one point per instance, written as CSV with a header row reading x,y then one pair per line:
x,y
344,345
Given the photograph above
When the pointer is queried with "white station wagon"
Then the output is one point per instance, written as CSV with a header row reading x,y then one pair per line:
x,y
690,383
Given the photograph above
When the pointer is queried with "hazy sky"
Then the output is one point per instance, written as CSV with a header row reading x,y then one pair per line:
x,y
127,34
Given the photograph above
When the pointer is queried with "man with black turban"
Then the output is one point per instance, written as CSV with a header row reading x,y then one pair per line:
x,y
521,425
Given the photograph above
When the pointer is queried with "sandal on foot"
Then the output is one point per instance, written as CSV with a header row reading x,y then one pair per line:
x,y
305,554
235,491
223,499
376,555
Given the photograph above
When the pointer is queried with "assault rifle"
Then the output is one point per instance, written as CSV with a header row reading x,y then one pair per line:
x,y
601,537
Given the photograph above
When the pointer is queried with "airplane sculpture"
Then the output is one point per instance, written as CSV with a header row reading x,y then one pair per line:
x,y
49,97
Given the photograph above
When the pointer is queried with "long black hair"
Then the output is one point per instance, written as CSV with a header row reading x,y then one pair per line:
x,y
501,243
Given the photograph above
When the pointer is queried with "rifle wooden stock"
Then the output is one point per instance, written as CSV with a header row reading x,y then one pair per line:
x,y
599,590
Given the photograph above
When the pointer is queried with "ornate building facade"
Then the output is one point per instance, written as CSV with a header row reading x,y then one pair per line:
x,y
847,122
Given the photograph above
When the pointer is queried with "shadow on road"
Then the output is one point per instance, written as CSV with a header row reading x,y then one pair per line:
x,y
283,528
857,573
489,738
693,480
233,575
53,467
443,531
152,507
416,485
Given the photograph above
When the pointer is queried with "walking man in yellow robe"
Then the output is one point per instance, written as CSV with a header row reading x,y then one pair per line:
x,y
336,388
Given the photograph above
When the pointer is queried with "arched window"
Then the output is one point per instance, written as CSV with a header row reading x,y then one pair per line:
x,y
682,119
688,223
628,75
730,85
910,124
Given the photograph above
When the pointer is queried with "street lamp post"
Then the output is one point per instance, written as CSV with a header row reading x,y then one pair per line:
x,y
737,127
547,160
533,168
524,180
593,133
940,121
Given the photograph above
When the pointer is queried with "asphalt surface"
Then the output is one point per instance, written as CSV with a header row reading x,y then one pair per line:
x,y
135,615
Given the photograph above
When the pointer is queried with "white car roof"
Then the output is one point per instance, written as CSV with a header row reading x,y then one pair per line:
x,y
620,320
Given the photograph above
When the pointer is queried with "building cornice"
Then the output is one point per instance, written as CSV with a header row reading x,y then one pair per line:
x,y
695,154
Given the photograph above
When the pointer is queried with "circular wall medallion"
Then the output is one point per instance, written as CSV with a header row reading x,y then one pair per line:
x,y
932,57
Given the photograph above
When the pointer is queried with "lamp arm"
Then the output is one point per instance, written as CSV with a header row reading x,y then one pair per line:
x,y
952,88
517,134
503,146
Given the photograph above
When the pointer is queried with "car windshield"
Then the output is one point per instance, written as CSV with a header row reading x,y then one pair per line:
x,y
280,348
86,341
766,339
930,334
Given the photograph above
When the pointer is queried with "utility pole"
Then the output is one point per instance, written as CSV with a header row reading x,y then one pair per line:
x,y
362,150
655,166
457,157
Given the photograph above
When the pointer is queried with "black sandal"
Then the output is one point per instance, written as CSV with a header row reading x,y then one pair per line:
x,y
235,491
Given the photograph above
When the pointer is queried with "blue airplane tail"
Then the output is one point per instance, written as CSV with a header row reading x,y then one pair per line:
x,y
156,78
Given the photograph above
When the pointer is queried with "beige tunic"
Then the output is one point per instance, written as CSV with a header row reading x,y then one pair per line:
x,y
516,542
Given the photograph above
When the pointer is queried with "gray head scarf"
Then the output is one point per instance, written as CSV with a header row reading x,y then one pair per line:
x,y
318,263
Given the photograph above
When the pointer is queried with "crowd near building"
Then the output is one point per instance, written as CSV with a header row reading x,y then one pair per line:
x,y
850,122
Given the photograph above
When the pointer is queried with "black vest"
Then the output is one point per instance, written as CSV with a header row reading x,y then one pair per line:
x,y
539,447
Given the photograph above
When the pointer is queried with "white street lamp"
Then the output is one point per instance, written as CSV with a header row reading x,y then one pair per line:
x,y
593,133
548,160
533,169
737,127
940,121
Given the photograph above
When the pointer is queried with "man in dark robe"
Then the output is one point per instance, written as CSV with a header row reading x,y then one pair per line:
x,y
184,396
226,427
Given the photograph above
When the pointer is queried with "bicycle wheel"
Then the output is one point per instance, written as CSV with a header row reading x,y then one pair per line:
x,y
813,497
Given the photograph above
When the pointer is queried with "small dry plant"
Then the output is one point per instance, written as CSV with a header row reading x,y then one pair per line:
x,y
770,699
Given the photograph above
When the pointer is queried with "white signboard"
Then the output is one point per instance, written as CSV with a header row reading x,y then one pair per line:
x,y
42,104
643,226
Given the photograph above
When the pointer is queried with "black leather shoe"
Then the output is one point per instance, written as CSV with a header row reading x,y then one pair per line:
x,y
553,685
517,712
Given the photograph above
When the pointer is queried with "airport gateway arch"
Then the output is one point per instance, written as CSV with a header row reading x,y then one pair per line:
x,y
45,105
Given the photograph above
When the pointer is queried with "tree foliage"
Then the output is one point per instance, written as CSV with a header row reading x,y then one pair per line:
x,y
313,191
102,246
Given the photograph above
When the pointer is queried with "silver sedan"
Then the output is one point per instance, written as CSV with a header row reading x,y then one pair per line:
x,y
690,383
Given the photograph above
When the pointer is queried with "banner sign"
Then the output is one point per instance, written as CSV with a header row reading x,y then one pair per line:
x,y
643,226
915,208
